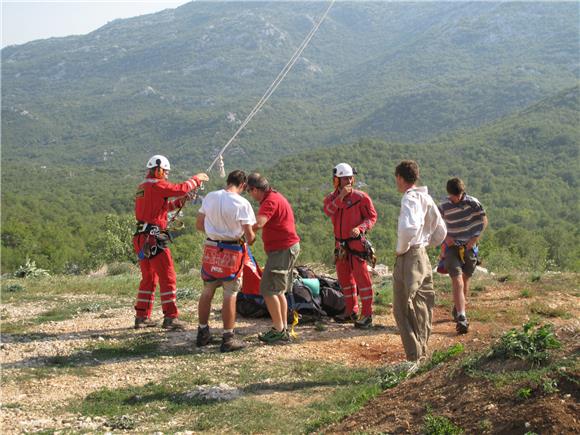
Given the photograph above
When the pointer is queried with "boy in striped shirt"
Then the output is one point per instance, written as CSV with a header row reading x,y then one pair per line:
x,y
466,220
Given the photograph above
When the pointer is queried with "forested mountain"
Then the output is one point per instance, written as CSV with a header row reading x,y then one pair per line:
x,y
181,80
524,169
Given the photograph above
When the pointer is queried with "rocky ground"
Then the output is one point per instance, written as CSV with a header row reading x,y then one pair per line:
x,y
35,394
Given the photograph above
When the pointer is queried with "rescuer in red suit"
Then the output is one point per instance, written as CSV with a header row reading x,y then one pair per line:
x,y
353,214
152,202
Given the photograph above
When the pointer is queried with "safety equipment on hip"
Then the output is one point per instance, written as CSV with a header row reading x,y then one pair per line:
x,y
152,240
222,260
343,170
159,161
369,253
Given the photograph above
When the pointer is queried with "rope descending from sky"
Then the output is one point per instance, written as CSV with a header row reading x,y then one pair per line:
x,y
274,85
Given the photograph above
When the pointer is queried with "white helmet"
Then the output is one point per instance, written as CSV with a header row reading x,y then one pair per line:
x,y
343,170
159,161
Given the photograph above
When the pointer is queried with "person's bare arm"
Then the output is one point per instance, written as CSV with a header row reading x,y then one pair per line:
x,y
200,223
261,220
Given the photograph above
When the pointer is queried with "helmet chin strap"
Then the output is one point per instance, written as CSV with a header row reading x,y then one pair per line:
x,y
159,172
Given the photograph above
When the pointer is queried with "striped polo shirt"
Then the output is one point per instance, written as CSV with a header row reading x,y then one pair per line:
x,y
464,220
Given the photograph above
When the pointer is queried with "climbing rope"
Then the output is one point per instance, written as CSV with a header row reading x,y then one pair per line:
x,y
274,84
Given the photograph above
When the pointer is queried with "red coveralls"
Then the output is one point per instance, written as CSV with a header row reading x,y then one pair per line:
x,y
151,206
355,210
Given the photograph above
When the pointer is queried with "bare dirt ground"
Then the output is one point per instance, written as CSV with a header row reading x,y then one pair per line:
x,y
40,399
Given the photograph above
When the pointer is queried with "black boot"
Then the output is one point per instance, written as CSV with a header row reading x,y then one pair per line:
x,y
172,324
144,322
203,336
229,344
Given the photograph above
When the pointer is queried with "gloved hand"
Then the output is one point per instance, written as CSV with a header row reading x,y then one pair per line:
x,y
202,176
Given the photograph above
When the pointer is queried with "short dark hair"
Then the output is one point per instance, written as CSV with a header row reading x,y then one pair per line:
x,y
258,181
408,170
236,178
455,186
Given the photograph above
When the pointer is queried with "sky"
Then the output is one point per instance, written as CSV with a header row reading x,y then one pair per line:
x,y
24,21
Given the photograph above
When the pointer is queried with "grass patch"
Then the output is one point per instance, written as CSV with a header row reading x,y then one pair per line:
x,y
481,315
441,356
135,347
526,293
68,311
544,310
383,299
118,286
36,373
306,395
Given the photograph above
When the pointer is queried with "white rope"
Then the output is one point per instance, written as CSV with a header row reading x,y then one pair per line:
x,y
274,84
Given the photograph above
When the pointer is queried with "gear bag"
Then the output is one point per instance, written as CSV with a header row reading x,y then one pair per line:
x,y
251,306
222,260
332,299
302,300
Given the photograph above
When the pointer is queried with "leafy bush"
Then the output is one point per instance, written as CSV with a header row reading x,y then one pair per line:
x,y
531,344
30,270
524,393
439,425
121,268
13,288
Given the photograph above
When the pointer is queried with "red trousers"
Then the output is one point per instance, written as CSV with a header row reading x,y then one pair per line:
x,y
158,269
353,275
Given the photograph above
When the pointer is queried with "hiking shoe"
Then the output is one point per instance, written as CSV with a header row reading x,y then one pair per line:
x,y
229,344
173,324
274,336
462,325
203,336
346,318
365,322
144,322
454,313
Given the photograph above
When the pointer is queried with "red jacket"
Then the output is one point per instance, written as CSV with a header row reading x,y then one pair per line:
x,y
152,199
355,210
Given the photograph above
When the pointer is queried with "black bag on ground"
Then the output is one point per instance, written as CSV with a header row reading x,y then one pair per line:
x,y
301,299
305,272
251,306
332,300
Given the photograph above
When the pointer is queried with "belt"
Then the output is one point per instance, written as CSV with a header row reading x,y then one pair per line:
x,y
227,242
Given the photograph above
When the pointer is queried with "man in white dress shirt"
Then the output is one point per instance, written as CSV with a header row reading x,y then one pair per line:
x,y
225,216
420,225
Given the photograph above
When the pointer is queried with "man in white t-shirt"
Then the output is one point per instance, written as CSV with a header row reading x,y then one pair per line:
x,y
226,218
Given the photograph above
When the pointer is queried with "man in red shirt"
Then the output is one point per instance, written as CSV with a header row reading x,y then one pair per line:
x,y
152,202
352,214
281,243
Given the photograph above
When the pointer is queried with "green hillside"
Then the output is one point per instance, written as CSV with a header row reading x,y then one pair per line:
x,y
523,168
181,80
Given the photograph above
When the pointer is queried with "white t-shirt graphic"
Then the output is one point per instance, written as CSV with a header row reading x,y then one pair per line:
x,y
225,213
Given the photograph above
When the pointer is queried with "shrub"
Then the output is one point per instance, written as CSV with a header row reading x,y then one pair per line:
x,y
14,288
30,270
530,344
121,268
439,425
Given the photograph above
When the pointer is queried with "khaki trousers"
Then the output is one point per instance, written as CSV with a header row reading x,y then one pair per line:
x,y
413,301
